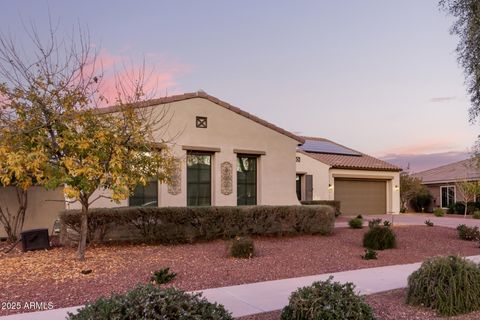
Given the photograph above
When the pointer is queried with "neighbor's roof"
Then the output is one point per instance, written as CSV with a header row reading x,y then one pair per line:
x,y
204,95
356,162
457,171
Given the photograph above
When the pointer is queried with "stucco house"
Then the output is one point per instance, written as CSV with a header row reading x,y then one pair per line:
x,y
363,184
440,181
225,157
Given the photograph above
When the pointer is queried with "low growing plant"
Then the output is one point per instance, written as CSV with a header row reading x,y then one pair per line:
x,y
163,276
355,223
468,233
327,300
242,247
438,212
429,223
379,238
449,285
369,254
150,302
359,216
476,215
387,223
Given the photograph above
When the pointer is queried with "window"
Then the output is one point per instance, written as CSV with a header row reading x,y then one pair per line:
x,y
298,183
246,180
199,179
448,196
145,195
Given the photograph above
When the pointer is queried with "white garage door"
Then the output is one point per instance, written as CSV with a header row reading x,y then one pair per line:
x,y
361,196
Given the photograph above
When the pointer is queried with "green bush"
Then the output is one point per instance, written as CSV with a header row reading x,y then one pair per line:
x,y
242,247
379,238
326,300
359,216
387,223
369,254
449,285
333,203
149,302
189,224
421,201
468,233
163,276
355,223
459,207
476,215
438,212
429,223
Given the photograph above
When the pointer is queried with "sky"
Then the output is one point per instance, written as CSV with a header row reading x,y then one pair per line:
x,y
379,76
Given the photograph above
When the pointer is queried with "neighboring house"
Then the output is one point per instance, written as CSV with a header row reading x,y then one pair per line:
x,y
441,181
226,157
363,184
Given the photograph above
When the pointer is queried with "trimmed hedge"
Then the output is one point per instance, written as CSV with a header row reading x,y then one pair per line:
x,y
335,204
189,224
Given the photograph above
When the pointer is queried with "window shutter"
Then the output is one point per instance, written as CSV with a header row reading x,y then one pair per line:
x,y
309,187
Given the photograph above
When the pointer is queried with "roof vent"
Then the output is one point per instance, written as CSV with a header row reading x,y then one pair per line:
x,y
200,91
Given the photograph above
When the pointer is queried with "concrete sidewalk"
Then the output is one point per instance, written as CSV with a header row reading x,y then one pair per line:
x,y
266,296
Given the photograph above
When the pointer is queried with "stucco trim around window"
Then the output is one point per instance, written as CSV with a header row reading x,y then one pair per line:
x,y
252,152
201,149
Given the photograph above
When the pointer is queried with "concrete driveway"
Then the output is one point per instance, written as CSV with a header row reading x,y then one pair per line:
x,y
419,219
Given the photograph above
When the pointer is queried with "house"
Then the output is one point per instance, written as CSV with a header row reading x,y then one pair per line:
x,y
363,184
441,181
225,157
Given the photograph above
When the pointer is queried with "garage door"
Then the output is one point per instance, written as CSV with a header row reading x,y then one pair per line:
x,y
361,196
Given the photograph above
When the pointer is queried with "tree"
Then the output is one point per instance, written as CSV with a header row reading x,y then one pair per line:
x,y
409,187
467,28
467,191
50,105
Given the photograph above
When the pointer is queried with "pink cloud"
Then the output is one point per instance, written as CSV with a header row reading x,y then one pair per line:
x,y
157,73
440,145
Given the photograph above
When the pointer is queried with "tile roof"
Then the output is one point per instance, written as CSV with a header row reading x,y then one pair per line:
x,y
457,171
204,95
358,162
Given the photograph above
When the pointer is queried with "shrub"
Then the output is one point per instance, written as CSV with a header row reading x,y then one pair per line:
x,y
369,254
421,201
355,223
150,302
242,247
374,223
468,233
189,224
438,212
429,223
387,223
163,276
359,216
459,208
379,238
333,203
327,300
476,215
449,285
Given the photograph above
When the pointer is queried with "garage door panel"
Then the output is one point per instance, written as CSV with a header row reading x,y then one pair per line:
x,y
361,196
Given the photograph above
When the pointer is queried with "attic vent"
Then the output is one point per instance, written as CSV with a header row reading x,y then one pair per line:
x,y
201,122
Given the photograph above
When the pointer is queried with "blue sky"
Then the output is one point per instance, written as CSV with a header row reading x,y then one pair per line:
x,y
378,76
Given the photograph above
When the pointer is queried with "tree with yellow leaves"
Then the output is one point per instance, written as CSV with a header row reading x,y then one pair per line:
x,y
53,130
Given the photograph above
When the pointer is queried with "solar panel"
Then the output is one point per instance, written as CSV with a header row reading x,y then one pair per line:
x,y
327,147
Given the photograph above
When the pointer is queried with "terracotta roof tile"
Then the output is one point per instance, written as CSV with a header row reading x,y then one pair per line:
x,y
338,161
203,95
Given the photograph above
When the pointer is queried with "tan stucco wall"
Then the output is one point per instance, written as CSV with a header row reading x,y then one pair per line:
x,y
323,176
43,207
227,131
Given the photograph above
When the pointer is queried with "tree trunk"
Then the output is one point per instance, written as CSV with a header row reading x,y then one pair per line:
x,y
13,222
466,208
82,244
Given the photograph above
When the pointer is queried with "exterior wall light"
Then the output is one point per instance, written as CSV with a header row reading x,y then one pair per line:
x,y
330,187
396,188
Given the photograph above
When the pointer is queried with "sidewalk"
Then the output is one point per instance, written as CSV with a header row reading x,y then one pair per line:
x,y
266,296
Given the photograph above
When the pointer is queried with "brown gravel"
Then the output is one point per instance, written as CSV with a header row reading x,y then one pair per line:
x,y
54,275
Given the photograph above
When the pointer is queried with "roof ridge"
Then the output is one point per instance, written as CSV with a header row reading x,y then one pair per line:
x,y
204,95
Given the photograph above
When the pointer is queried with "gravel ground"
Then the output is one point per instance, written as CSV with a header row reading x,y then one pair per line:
x,y
389,305
54,275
